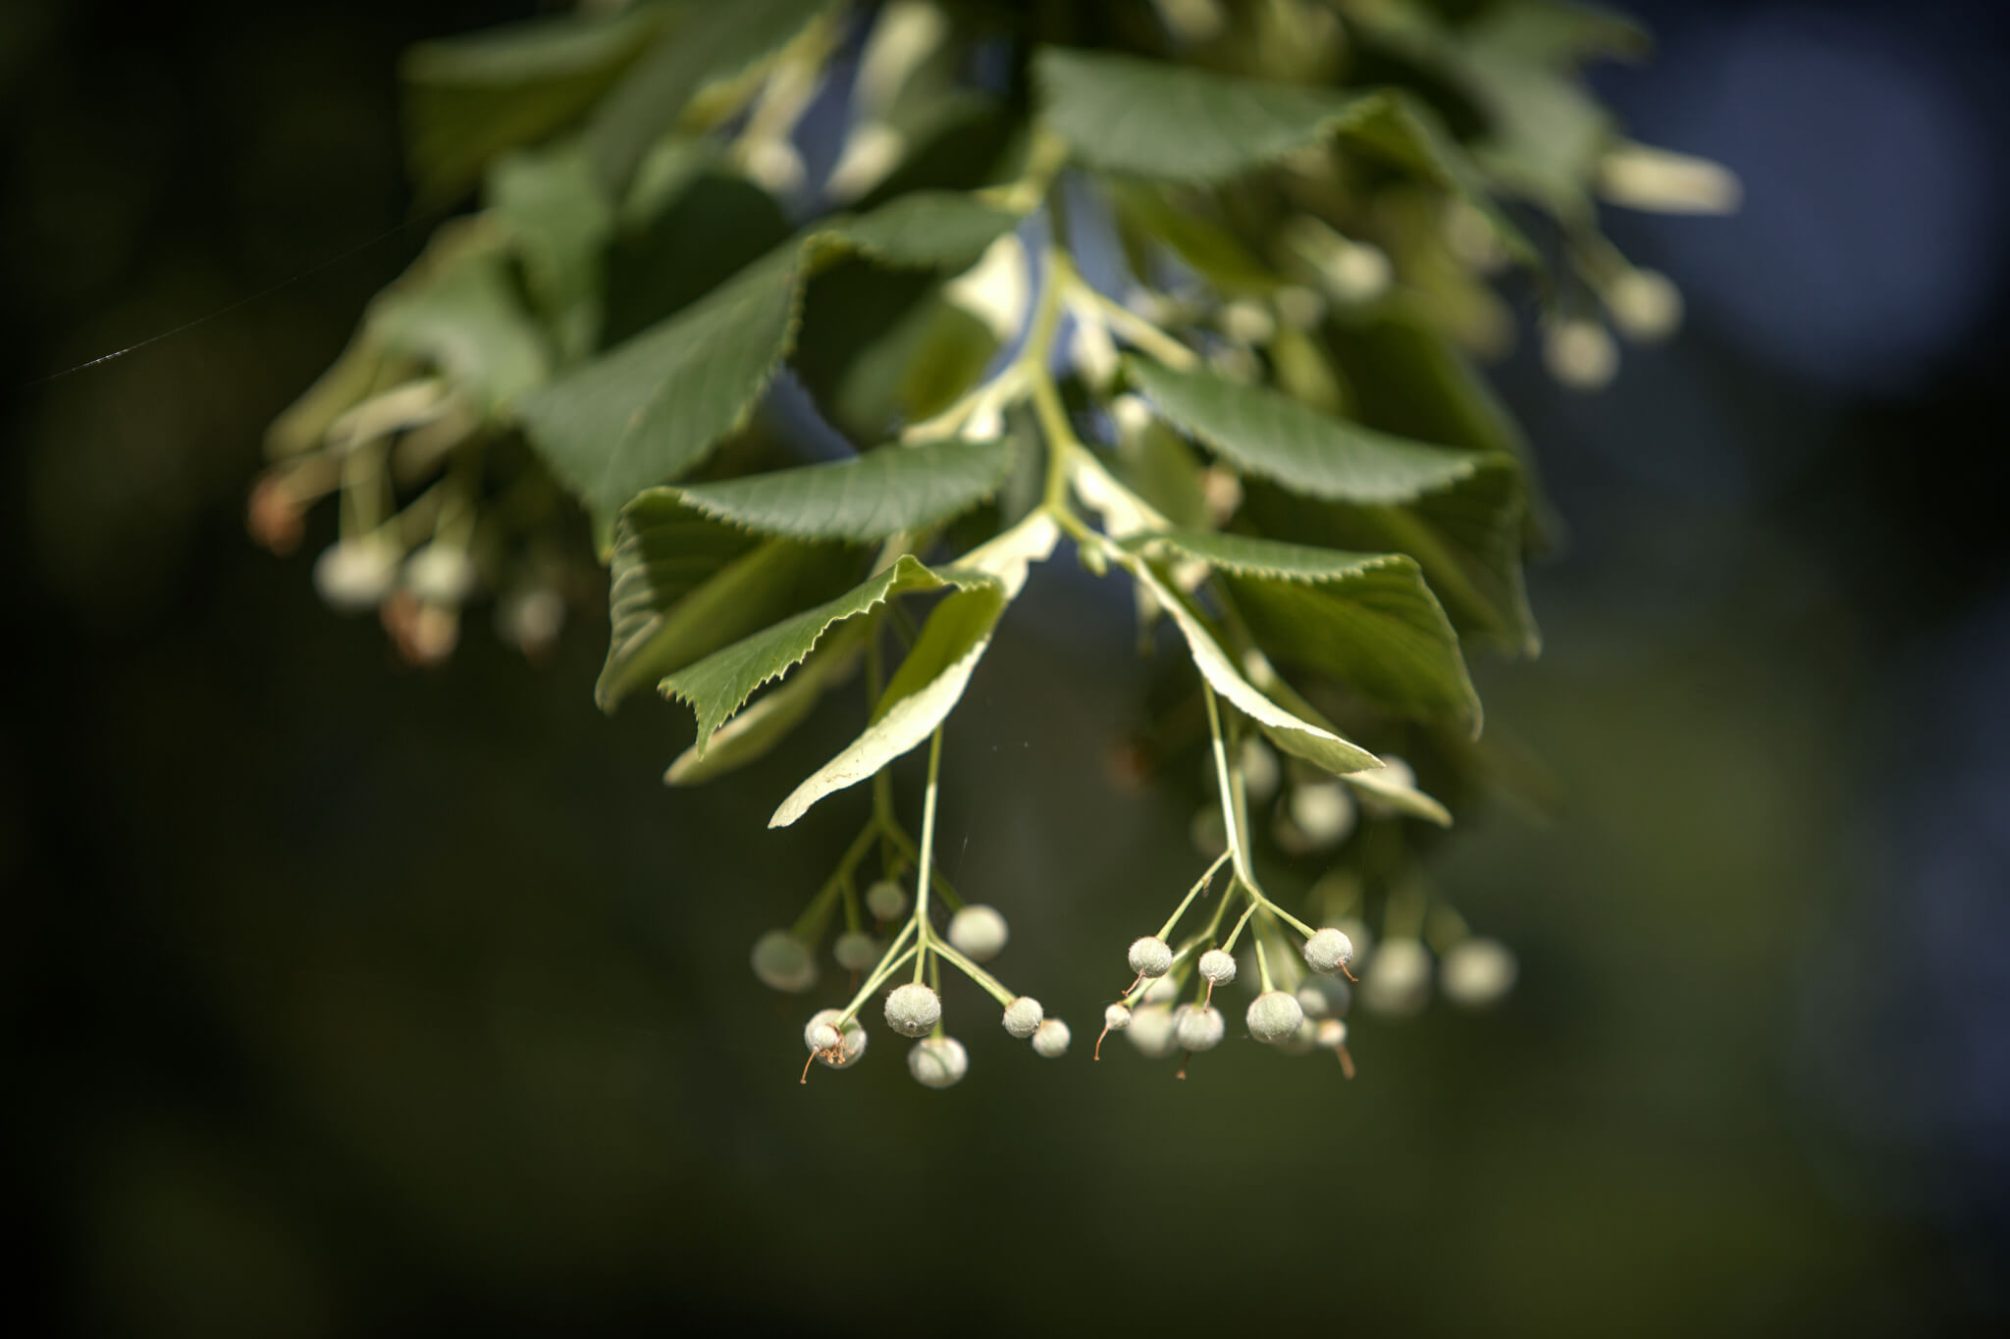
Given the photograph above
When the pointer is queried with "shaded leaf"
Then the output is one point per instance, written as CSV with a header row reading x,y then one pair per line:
x,y
771,717
654,407
1151,118
468,99
682,585
716,687
707,44
1289,731
1365,619
559,219
457,311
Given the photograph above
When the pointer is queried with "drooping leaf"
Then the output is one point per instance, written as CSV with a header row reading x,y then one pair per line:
x,y
1150,118
1467,538
931,680
1204,245
1365,619
683,584
716,687
705,44
1272,436
870,496
921,694
468,99
771,717
654,407
1386,784
1290,732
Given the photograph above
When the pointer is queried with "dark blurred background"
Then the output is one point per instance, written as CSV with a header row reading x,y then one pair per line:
x,y
349,999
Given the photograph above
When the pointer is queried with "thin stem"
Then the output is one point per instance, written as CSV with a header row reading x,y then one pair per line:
x,y
1134,328
927,861
1193,892
1262,962
992,985
1243,920
1233,816
896,954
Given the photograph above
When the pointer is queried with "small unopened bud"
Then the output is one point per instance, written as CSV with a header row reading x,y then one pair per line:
x,y
354,574
1162,991
1050,1039
1477,973
938,1062
1198,1027
855,950
1022,1016
1217,968
1150,956
784,962
1328,951
1332,1032
273,515
1323,811
1273,1016
440,574
530,619
912,1009
978,932
1580,354
886,900
1151,1031
1398,978
1645,305
1116,1017
832,1045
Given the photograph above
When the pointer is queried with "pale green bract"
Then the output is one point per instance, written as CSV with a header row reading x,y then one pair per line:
x,y
719,685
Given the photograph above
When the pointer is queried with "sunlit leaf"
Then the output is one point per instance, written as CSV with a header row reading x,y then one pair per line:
x,y
1272,436
871,496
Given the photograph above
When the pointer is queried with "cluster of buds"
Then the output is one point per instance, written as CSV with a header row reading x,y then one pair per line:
x,y
902,937
1297,1004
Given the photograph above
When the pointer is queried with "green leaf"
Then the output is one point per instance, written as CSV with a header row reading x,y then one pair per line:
x,y
931,680
559,218
707,44
1467,538
771,717
1150,118
682,585
457,311
1404,130
1381,783
654,407
1273,436
716,687
468,99
1289,731
924,690
1210,249
871,496
1366,619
